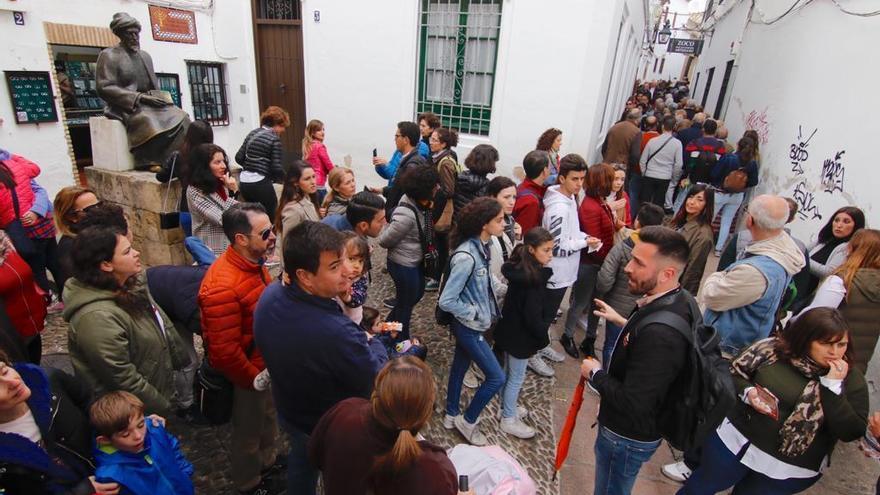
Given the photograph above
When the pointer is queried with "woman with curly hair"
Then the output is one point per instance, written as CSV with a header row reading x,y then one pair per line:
x,y
550,141
409,237
469,296
119,338
472,183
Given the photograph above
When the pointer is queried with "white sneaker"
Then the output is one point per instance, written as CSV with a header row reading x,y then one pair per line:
x,y
515,427
449,422
471,432
538,365
677,471
521,412
551,354
470,379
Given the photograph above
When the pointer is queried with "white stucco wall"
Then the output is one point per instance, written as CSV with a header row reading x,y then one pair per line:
x,y
813,79
554,63
675,62
225,35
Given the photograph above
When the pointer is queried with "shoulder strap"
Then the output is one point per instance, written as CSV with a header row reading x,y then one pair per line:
x,y
418,224
15,205
669,319
652,155
170,178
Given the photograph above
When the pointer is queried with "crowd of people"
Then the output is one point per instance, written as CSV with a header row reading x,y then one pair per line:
x,y
628,239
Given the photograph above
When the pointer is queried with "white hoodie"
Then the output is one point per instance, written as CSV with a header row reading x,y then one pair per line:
x,y
561,219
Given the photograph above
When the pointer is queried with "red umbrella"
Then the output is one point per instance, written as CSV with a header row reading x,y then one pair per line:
x,y
568,427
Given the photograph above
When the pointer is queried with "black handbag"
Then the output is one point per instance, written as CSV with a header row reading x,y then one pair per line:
x,y
213,392
169,219
17,234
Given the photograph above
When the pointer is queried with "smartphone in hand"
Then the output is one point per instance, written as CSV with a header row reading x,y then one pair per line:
x,y
770,400
375,153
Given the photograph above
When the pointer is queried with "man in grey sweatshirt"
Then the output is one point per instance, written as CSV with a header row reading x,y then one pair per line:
x,y
661,162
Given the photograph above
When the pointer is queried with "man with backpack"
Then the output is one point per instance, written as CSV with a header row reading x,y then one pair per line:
x,y
701,156
649,363
529,208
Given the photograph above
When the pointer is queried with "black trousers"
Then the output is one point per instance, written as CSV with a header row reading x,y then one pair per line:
x,y
262,192
654,191
46,257
550,304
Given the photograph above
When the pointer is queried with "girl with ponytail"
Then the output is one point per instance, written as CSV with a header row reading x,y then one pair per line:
x,y
370,446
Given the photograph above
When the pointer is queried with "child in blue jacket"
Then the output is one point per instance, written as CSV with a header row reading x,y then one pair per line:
x,y
144,459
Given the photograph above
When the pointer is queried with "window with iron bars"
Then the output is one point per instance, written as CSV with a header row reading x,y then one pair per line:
x,y
208,89
458,51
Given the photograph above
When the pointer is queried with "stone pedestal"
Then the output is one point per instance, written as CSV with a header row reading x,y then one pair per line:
x,y
141,196
110,144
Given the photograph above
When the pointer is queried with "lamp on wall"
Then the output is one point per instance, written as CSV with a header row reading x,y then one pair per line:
x,y
664,34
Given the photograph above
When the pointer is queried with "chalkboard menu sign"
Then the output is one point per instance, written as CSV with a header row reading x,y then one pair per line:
x,y
32,98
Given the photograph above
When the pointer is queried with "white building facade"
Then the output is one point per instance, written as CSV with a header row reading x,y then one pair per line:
x,y
683,17
500,71
799,80
216,75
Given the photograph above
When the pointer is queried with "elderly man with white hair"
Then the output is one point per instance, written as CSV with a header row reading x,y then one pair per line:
x,y
741,301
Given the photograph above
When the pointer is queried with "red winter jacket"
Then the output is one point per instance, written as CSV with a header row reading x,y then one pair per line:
x,y
529,208
24,304
596,220
227,299
23,170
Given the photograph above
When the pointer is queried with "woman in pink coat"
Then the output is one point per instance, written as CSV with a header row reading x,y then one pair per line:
x,y
315,153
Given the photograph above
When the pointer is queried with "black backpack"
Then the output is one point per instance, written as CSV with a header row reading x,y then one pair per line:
x,y
700,166
704,393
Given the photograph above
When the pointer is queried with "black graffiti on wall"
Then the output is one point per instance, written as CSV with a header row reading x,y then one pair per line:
x,y
798,151
833,173
807,208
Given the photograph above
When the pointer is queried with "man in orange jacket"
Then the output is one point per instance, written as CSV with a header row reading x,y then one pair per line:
x,y
227,299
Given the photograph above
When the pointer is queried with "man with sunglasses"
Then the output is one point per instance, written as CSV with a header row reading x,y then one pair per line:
x,y
227,299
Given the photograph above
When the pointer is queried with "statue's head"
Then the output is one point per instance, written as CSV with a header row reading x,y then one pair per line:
x,y
127,29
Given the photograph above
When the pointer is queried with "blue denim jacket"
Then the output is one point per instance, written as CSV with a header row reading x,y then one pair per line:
x,y
469,291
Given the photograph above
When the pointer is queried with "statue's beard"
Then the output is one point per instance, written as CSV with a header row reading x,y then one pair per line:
x,y
133,46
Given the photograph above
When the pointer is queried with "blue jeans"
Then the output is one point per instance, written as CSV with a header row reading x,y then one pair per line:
x,y
618,461
409,285
471,346
516,375
720,469
635,188
727,204
679,200
200,252
612,332
302,477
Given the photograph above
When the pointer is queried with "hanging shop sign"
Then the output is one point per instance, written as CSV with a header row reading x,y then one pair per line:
x,y
174,25
32,98
685,46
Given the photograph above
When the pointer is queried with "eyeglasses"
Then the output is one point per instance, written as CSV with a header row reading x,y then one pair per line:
x,y
264,234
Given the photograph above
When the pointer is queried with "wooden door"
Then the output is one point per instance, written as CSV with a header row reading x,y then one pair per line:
x,y
278,44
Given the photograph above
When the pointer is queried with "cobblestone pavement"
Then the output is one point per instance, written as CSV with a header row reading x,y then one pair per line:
x,y
546,398
208,448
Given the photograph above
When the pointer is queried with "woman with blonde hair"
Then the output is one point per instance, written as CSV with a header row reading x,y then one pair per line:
x,y
371,446
70,206
315,154
854,288
342,188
